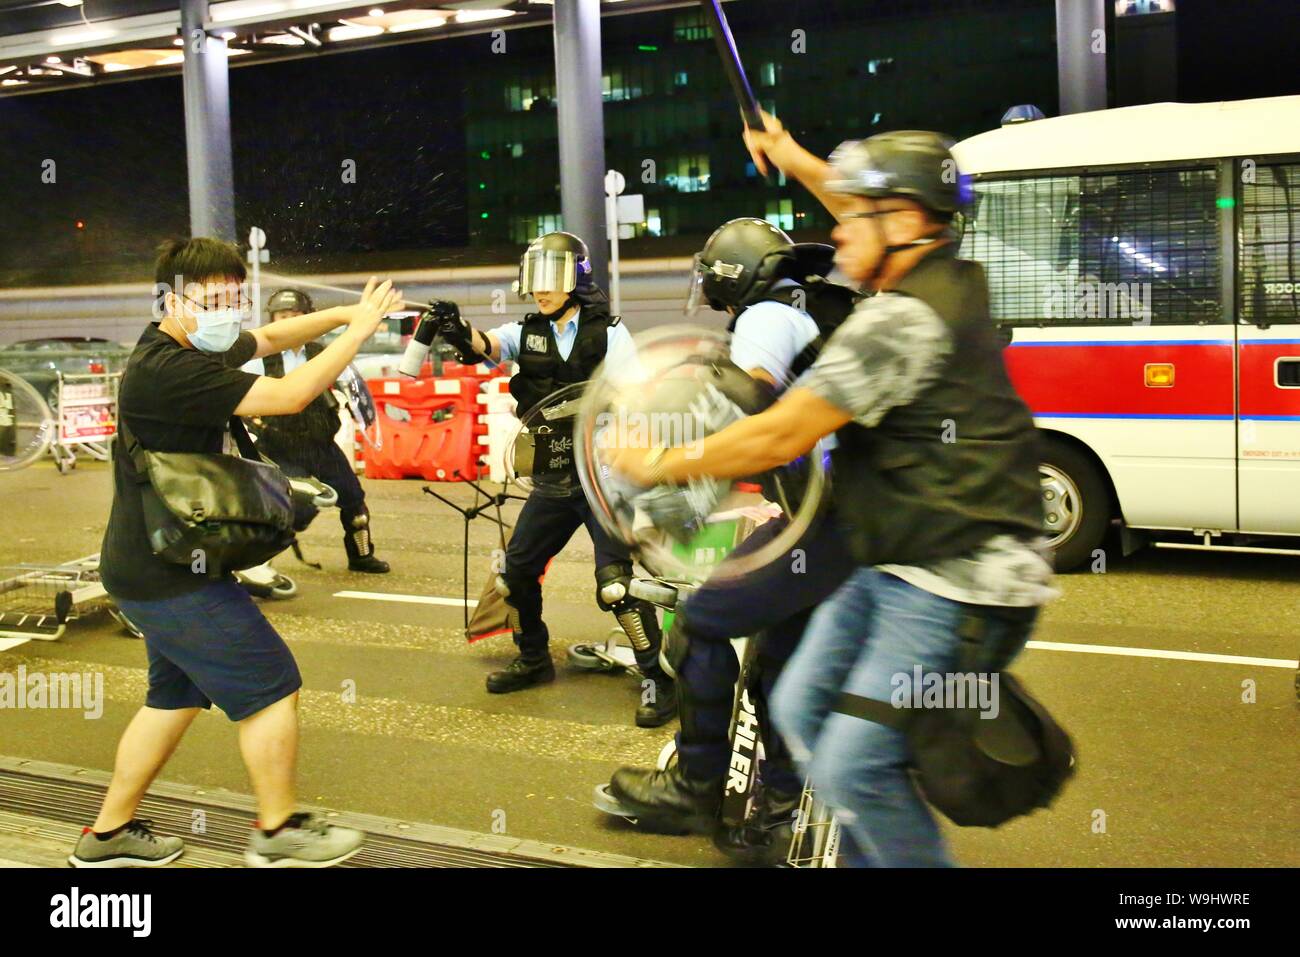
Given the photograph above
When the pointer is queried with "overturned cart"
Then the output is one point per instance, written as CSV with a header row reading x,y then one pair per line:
x,y
38,601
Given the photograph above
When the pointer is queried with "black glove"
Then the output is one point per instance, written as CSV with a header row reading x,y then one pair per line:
x,y
453,330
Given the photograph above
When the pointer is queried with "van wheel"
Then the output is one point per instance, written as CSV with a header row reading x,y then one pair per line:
x,y
1076,505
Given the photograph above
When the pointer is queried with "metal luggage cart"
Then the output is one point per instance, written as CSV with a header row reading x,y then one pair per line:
x,y
85,417
38,601
816,834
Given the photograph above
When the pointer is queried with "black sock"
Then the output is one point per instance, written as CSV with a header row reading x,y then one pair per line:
x,y
290,821
106,835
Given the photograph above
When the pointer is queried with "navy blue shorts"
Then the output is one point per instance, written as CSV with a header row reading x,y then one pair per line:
x,y
213,646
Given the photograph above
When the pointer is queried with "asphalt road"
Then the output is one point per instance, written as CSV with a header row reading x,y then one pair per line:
x,y
1182,761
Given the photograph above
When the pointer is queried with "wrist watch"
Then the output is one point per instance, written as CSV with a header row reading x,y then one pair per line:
x,y
654,463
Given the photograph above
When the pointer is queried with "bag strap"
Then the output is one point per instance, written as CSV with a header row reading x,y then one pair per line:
x,y
242,440
972,629
869,709
134,450
137,452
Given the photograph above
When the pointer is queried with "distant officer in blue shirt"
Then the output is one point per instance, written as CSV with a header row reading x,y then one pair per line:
x,y
771,287
561,344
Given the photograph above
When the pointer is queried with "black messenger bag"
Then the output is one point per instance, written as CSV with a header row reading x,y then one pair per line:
x,y
216,513
977,771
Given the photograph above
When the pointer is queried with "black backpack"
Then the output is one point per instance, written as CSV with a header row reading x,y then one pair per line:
x,y
980,772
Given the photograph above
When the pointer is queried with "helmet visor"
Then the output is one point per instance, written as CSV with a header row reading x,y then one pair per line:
x,y
547,270
695,293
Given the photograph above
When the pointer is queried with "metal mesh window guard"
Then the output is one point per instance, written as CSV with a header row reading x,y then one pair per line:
x,y
1099,249
1269,277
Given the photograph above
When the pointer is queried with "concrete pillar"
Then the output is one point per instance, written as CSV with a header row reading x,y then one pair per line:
x,y
207,126
582,127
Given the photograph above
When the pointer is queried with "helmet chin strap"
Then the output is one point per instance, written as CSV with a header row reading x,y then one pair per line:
x,y
896,248
923,241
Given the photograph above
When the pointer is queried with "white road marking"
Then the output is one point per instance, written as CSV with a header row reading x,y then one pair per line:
x,y
1160,653
7,643
1036,645
408,599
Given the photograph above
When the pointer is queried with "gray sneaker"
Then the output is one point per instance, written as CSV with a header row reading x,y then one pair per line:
x,y
305,841
135,845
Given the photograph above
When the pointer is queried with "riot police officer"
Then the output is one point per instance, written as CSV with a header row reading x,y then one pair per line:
x,y
560,344
303,444
782,309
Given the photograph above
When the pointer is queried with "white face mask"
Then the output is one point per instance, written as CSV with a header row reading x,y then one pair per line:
x,y
216,331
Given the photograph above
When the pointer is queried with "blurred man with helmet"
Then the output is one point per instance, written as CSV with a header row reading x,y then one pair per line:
x,y
782,311
936,480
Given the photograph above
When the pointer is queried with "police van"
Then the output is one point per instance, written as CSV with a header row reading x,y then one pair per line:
x,y
1144,263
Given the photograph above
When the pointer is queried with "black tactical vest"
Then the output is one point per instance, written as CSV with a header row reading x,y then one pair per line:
x,y
828,304
314,425
958,465
542,371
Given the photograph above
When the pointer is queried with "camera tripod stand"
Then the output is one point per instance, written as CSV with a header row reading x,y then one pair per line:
x,y
483,501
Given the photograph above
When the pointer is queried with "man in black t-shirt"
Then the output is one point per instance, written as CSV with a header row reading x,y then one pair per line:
x,y
206,640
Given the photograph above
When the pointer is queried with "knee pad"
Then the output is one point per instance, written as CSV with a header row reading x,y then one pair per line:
x,y
612,583
356,525
635,617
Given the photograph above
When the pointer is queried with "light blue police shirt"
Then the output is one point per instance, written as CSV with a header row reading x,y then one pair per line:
x,y
770,335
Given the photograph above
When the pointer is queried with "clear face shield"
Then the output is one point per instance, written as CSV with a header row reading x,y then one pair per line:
x,y
547,270
695,293
700,271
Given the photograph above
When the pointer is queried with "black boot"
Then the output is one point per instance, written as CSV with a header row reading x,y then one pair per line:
x,y
660,707
357,543
368,564
659,696
521,673
667,801
763,840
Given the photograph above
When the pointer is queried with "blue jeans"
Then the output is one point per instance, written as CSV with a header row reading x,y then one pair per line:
x,y
874,627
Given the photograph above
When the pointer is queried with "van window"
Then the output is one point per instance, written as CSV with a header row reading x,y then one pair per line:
x,y
1269,260
1131,248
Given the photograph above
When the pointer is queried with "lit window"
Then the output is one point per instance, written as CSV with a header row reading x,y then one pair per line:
x,y
690,26
1133,8
688,174
780,213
